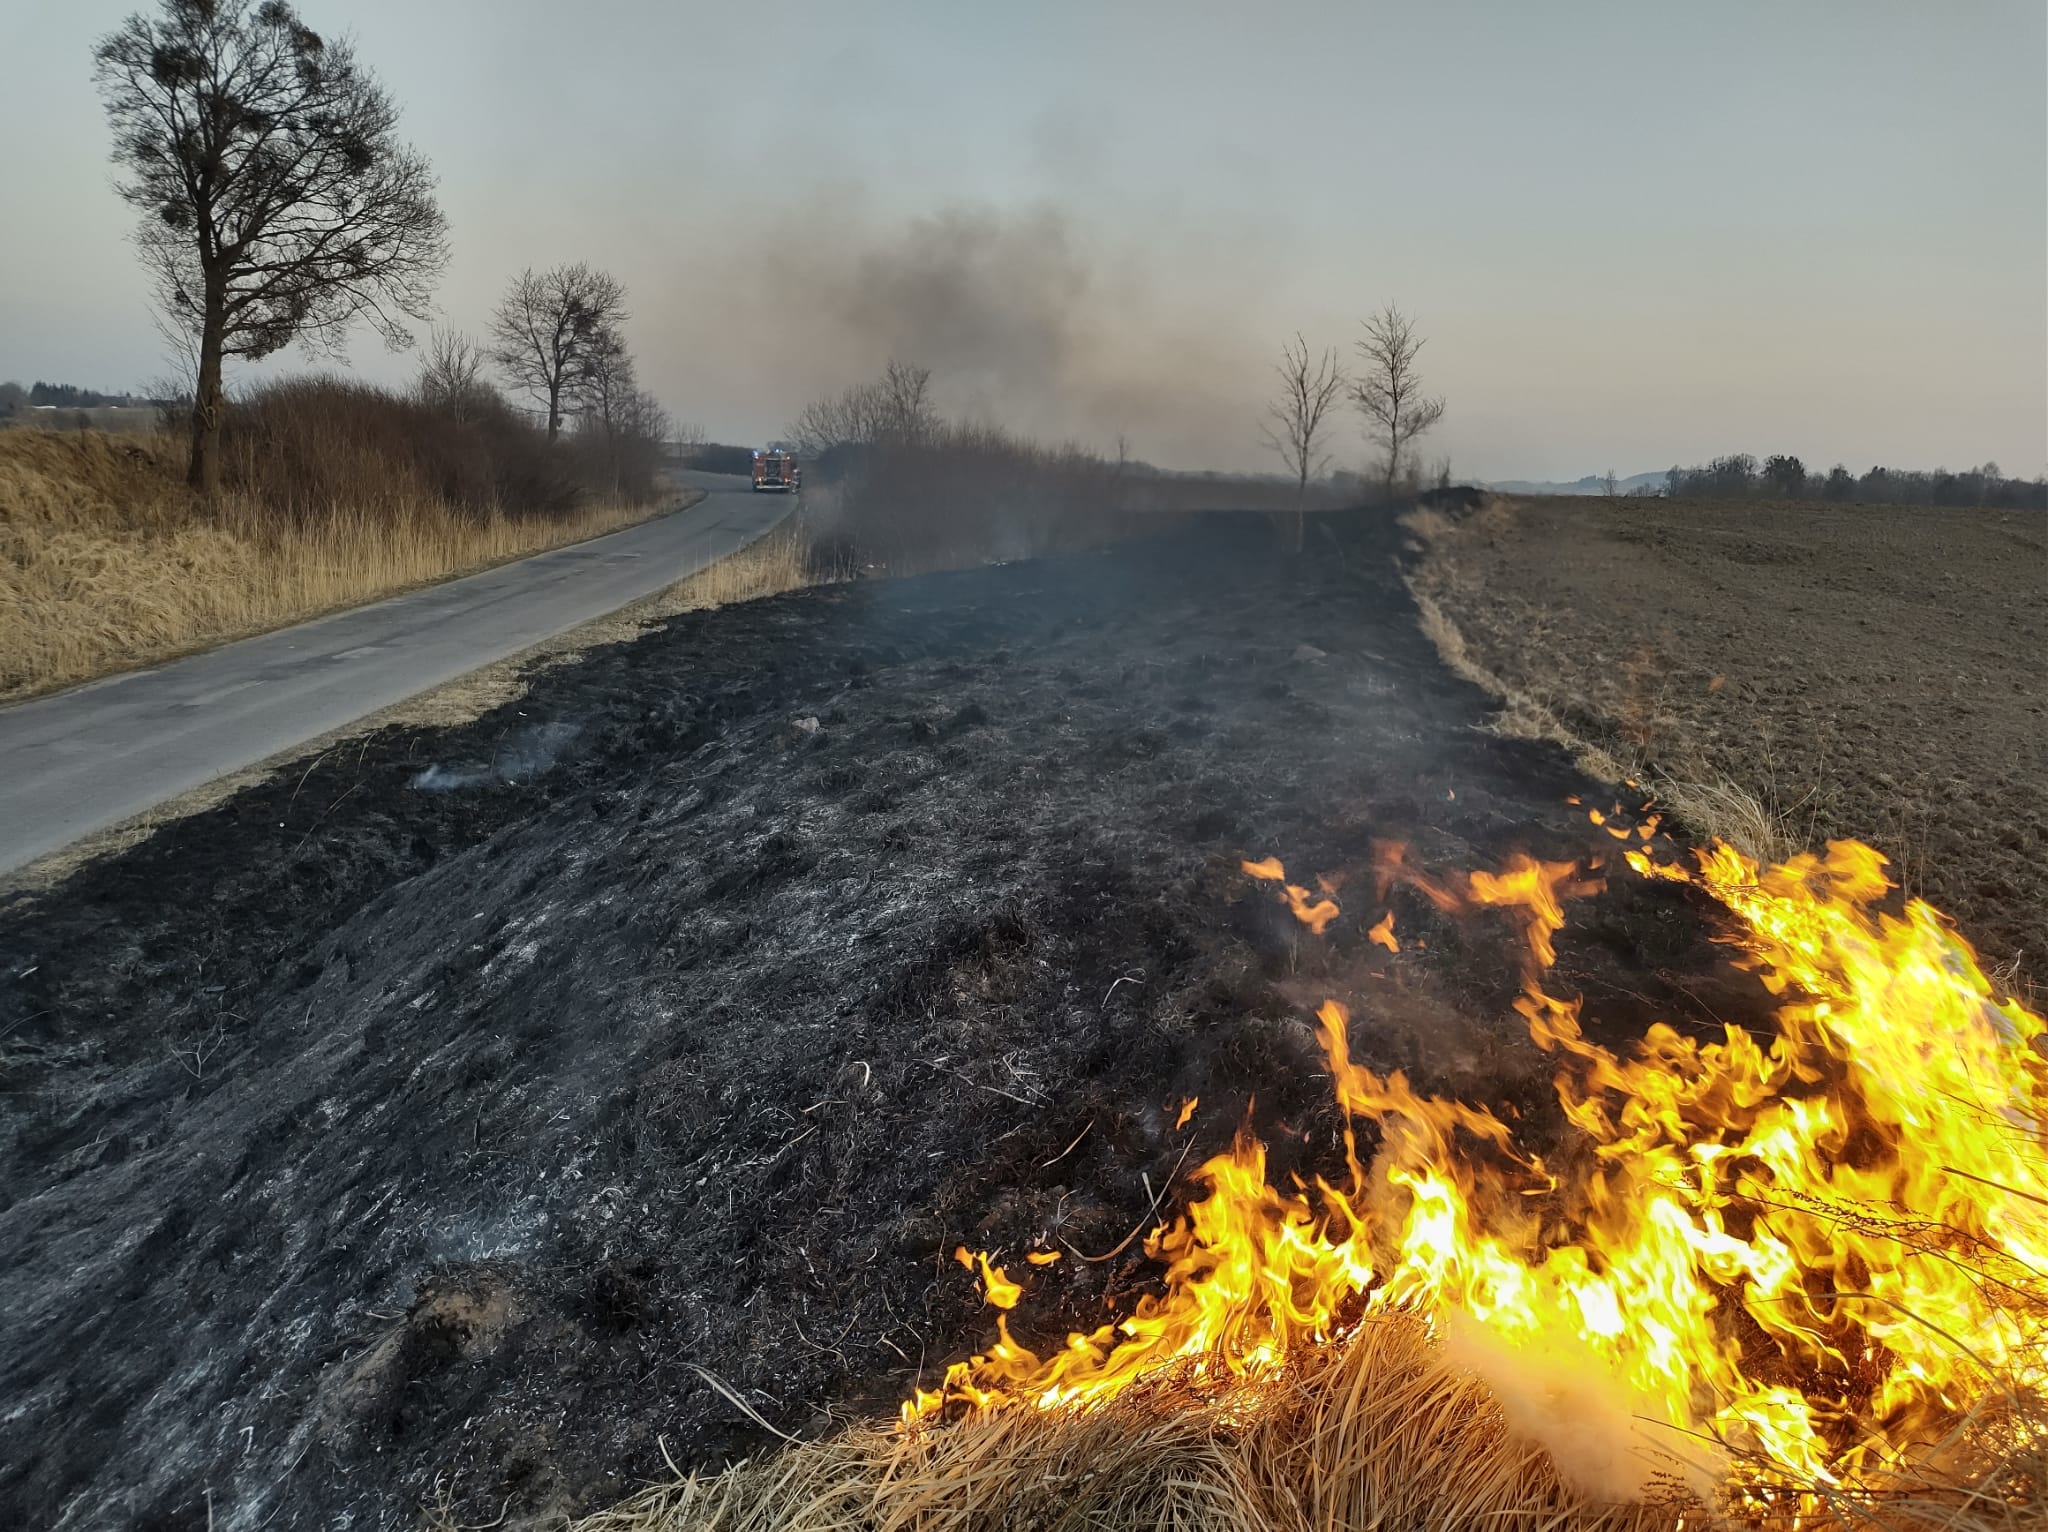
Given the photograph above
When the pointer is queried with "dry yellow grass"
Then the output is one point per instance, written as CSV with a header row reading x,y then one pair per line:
x,y
107,562
1374,1433
1377,1431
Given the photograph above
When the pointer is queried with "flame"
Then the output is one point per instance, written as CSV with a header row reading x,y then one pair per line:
x,y
1793,1258
1382,934
996,1289
1187,1110
1317,914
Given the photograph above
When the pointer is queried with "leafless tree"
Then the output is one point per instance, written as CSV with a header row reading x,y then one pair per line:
x,y
452,374
1611,484
896,410
608,399
606,381
1297,416
277,201
1389,390
908,415
640,433
551,327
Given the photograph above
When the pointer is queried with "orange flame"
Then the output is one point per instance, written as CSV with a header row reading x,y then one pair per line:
x,y
1187,1110
1382,934
1316,915
996,1289
1789,1255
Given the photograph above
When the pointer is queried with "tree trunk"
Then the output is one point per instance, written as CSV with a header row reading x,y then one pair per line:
x,y
209,401
554,411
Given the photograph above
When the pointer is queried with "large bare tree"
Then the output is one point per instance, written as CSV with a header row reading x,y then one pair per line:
x,y
1388,390
551,329
278,202
1297,417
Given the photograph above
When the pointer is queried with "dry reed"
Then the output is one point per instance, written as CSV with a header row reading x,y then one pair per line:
x,y
108,563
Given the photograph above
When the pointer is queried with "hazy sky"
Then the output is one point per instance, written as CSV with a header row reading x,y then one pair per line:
x,y
1635,233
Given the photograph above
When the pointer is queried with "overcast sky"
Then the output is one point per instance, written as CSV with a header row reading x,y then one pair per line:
x,y
1635,233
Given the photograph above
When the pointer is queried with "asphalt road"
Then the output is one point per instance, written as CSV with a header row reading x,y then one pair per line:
x,y
91,757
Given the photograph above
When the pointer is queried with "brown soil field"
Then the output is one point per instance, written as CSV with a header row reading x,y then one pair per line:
x,y
1864,672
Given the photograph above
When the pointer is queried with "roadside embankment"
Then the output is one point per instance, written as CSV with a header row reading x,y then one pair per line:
x,y
336,496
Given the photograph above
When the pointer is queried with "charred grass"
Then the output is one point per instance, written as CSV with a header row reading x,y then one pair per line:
x,y
967,495
674,1021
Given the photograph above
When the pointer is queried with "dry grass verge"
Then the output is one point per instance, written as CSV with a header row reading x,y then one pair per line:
x,y
107,562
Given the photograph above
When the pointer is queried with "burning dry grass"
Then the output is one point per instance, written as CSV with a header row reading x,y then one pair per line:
x,y
1775,1281
1378,1431
107,562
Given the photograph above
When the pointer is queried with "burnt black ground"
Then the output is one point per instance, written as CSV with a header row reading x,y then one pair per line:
x,y
418,1122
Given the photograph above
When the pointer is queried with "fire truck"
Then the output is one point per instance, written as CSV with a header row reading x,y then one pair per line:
x,y
775,469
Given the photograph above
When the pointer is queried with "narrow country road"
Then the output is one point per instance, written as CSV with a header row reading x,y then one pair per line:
x,y
91,757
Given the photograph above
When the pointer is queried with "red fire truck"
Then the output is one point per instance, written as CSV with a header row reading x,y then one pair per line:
x,y
775,469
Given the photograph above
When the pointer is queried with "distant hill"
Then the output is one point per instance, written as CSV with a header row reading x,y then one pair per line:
x,y
1591,484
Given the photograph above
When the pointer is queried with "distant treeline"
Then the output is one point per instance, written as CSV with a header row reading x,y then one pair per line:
x,y
1786,478
718,457
66,396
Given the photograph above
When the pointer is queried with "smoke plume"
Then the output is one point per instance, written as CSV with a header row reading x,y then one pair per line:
x,y
1025,318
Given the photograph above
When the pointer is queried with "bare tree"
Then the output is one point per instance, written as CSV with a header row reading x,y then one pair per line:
x,y
452,374
1610,483
1297,416
1389,392
894,410
278,202
908,416
551,327
606,395
640,432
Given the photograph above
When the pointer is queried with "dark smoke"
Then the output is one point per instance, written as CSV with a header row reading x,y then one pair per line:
x,y
1025,319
